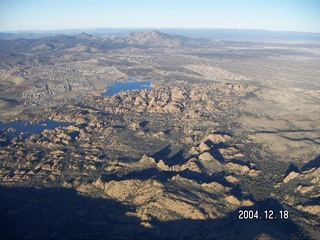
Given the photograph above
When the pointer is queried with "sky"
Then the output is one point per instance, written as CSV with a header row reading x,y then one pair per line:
x,y
275,15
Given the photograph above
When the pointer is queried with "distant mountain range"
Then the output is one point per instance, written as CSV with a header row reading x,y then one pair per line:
x,y
149,38
142,39
208,34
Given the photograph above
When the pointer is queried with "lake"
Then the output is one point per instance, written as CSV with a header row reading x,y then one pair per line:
x,y
26,129
130,84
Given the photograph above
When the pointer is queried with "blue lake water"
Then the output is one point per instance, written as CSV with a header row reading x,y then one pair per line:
x,y
134,84
26,129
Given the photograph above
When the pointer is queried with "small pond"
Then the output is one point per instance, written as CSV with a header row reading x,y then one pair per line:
x,y
130,84
26,129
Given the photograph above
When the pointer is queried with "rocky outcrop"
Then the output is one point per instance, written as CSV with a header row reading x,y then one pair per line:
x,y
290,176
312,209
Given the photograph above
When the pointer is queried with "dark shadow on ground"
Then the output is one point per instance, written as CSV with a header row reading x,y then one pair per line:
x,y
164,154
29,213
149,173
313,201
214,150
55,213
292,168
177,158
143,123
315,163
163,176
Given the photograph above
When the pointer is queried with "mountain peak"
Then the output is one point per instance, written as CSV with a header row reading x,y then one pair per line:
x,y
153,32
84,35
153,38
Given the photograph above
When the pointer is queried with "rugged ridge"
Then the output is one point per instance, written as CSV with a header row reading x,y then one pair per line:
x,y
153,38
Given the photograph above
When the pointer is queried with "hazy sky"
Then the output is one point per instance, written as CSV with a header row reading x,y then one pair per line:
x,y
288,15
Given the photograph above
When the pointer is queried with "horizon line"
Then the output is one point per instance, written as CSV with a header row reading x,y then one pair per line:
x,y
153,28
